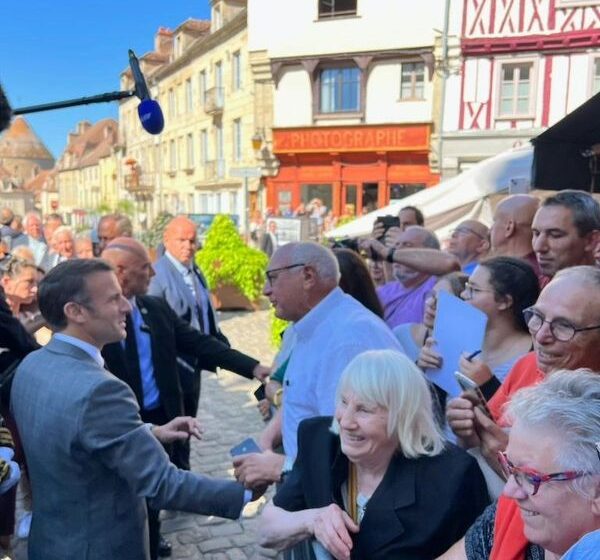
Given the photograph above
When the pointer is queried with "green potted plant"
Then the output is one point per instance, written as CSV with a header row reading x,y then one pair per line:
x,y
235,273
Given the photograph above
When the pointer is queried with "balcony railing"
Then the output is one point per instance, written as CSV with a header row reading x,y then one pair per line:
x,y
138,185
214,169
213,100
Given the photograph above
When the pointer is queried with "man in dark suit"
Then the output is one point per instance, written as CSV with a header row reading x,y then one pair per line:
x,y
269,242
91,459
147,359
182,285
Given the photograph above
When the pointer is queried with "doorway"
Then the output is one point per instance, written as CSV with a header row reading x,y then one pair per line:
x,y
369,197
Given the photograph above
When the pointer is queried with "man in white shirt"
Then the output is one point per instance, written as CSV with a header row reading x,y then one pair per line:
x,y
330,329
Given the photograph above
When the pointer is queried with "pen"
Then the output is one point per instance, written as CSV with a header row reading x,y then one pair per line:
x,y
470,357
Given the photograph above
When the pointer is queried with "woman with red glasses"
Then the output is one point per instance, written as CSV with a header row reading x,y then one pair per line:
x,y
552,471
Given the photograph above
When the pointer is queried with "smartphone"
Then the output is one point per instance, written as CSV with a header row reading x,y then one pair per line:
x,y
468,385
388,222
247,446
259,394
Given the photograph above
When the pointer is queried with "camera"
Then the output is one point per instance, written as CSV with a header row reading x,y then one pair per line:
x,y
388,222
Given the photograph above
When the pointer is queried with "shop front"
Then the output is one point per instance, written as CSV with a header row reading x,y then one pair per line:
x,y
352,170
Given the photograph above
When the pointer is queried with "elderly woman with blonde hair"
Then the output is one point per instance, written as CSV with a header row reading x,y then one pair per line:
x,y
377,480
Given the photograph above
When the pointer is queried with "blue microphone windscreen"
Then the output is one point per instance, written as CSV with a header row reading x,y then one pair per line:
x,y
151,116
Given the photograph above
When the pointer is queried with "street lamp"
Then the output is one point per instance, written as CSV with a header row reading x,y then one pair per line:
x,y
257,140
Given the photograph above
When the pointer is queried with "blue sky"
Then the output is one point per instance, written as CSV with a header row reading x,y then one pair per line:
x,y
52,50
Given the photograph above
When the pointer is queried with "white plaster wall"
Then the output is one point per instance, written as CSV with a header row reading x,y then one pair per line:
x,y
383,104
452,103
293,99
559,91
579,80
292,28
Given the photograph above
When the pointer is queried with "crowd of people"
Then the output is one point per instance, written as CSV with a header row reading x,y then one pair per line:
x,y
371,458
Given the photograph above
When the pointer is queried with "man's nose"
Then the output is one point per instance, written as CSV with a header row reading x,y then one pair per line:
x,y
539,243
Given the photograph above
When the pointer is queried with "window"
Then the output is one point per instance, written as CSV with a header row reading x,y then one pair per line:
x,y
334,8
340,90
596,77
171,103
217,19
204,146
219,75
202,86
190,151
236,69
237,140
219,141
233,202
412,81
189,98
172,156
515,90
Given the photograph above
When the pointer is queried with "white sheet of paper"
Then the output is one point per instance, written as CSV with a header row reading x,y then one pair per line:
x,y
459,327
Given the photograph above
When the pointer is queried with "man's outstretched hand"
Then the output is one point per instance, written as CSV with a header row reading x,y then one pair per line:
x,y
178,429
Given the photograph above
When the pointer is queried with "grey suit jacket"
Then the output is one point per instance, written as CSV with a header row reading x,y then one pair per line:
x,y
168,284
92,462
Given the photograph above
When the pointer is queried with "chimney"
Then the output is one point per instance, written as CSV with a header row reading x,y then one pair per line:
x,y
163,41
83,127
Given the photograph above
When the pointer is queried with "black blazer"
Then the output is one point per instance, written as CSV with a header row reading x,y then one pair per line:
x,y
420,509
170,335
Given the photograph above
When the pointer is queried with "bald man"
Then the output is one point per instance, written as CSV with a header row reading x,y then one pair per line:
x,y
181,283
147,361
469,243
510,234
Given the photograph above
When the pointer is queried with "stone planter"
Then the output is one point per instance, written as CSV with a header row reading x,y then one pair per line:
x,y
230,297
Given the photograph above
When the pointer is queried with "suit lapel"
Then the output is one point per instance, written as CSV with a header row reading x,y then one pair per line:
x,y
382,521
182,288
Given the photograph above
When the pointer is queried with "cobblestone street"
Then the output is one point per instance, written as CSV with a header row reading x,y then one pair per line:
x,y
228,414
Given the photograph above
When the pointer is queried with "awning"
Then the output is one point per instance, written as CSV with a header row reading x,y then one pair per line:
x,y
565,155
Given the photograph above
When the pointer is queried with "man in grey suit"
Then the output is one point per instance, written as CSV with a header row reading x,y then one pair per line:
x,y
91,459
182,285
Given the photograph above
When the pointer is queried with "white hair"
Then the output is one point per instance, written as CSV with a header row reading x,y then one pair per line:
x,y
389,379
322,258
566,403
31,214
62,229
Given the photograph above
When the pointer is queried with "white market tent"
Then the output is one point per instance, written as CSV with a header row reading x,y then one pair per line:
x,y
466,196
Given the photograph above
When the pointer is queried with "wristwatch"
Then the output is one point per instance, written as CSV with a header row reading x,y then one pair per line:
x,y
277,397
390,255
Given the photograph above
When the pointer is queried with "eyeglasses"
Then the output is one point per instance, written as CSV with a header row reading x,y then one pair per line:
x,y
274,273
470,290
463,230
530,480
561,329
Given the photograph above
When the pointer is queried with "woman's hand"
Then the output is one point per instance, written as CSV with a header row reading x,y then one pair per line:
x,y
429,358
332,526
477,370
460,415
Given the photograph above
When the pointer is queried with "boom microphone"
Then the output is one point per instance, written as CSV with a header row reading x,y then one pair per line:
x,y
149,111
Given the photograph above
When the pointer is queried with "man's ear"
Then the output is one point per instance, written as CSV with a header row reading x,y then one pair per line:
x,y
595,497
74,312
509,229
506,302
593,238
309,276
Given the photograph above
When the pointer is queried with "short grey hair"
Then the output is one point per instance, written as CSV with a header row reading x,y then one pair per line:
x,y
31,214
320,257
585,209
430,239
389,379
63,229
584,273
567,403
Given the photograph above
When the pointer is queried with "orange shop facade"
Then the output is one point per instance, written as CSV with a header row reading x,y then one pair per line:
x,y
352,169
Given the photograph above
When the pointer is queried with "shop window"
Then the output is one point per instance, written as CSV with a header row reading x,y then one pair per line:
x,y
400,190
412,81
340,90
336,8
284,202
319,197
516,99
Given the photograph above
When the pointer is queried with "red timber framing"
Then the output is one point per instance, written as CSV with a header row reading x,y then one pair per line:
x,y
348,163
543,28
